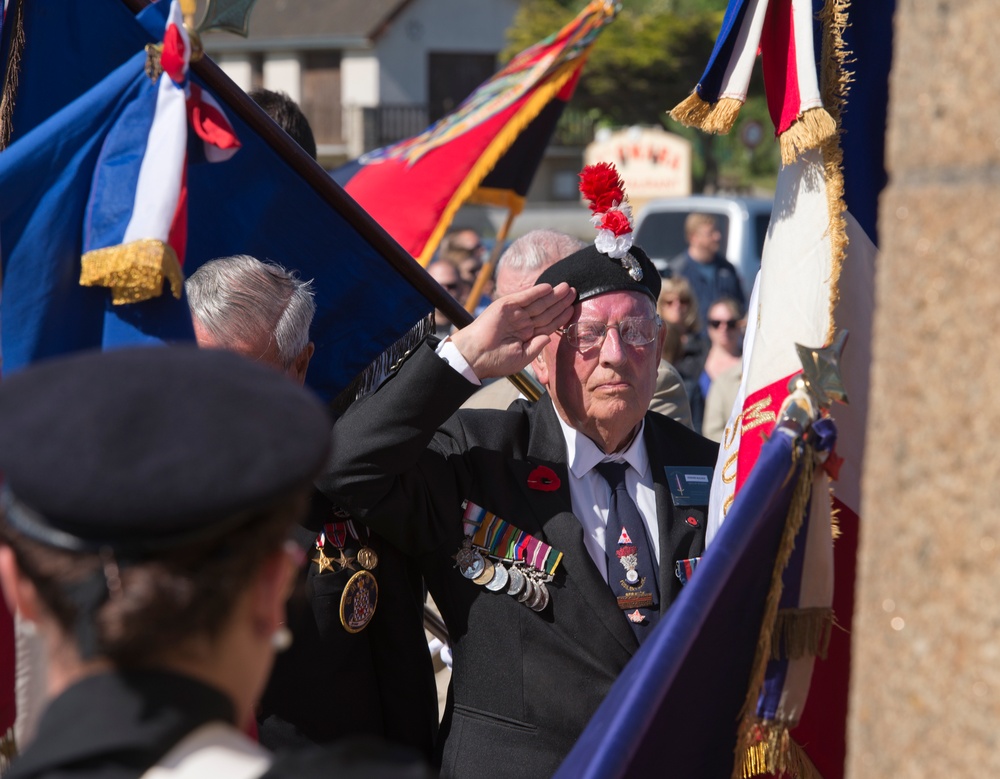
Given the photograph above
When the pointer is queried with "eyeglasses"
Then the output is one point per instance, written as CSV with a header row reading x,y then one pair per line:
x,y
677,302
717,323
633,330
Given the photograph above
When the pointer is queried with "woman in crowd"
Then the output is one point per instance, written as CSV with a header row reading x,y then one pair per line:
x,y
725,331
678,307
147,500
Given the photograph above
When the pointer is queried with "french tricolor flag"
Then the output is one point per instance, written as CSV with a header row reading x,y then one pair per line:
x,y
781,31
135,229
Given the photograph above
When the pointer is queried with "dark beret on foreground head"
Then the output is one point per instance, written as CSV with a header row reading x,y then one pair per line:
x,y
592,273
151,448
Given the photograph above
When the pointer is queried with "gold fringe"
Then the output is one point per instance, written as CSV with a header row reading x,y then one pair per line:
x,y
834,81
772,751
811,130
497,148
834,520
718,117
501,198
8,750
15,16
691,111
800,500
801,633
133,271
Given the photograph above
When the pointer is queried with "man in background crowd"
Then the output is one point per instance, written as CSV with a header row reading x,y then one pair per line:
x,y
710,274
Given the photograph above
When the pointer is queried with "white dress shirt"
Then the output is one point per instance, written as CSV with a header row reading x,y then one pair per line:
x,y
590,494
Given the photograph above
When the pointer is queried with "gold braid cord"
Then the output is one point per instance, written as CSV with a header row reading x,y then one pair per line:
x,y
761,743
133,271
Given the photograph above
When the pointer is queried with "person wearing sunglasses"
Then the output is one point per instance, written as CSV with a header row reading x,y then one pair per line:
x,y
725,332
531,666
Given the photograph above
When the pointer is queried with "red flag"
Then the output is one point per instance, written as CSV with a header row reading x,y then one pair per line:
x,y
486,151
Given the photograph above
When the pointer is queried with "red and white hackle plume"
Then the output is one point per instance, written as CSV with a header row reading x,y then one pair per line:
x,y
601,185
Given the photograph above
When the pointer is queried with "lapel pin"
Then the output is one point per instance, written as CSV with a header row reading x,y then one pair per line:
x,y
543,479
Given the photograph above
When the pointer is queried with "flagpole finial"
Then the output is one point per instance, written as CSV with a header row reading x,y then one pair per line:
x,y
821,370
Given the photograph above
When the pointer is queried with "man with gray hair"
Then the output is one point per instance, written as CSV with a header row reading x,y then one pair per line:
x,y
257,309
518,268
353,669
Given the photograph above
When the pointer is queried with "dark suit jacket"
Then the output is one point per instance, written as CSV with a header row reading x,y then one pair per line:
x,y
331,684
524,684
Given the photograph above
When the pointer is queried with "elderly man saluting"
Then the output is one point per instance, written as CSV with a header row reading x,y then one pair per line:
x,y
548,534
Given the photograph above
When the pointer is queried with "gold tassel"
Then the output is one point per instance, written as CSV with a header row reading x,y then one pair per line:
x,y
773,751
810,131
691,111
723,116
718,117
133,271
801,633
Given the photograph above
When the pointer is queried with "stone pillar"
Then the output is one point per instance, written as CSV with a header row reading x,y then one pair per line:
x,y
925,687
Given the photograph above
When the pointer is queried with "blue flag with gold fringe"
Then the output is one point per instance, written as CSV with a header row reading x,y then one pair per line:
x,y
80,69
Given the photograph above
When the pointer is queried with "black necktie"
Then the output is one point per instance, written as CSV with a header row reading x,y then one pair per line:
x,y
632,570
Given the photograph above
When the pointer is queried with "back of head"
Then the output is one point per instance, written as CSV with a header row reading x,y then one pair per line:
x,y
288,116
531,254
240,300
144,486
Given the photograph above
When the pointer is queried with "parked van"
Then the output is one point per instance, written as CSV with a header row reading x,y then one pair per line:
x,y
659,229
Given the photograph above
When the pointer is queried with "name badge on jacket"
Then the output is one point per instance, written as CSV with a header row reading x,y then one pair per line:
x,y
689,485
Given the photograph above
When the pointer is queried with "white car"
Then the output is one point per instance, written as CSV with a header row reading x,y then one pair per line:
x,y
659,229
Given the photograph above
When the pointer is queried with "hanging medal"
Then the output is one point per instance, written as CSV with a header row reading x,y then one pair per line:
x,y
360,596
358,601
496,555
321,560
336,534
366,558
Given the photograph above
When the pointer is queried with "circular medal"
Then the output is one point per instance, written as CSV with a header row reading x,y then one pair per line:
x,y
499,580
367,558
473,566
535,600
543,601
357,604
528,592
516,581
487,573
631,576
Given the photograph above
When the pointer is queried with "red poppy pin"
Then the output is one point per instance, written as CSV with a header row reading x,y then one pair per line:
x,y
543,479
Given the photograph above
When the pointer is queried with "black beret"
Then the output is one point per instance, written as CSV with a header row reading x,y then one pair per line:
x,y
150,448
592,273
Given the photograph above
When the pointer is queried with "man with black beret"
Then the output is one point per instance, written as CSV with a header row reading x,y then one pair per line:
x,y
549,534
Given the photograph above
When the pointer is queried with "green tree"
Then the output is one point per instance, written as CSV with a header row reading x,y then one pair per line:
x,y
642,65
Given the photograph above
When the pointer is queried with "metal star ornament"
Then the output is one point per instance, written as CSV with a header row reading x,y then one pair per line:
x,y
821,370
229,15
325,563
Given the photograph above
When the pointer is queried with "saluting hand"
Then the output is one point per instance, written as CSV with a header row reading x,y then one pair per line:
x,y
512,331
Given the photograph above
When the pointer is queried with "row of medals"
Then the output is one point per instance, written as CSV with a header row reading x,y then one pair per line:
x,y
525,584
360,588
